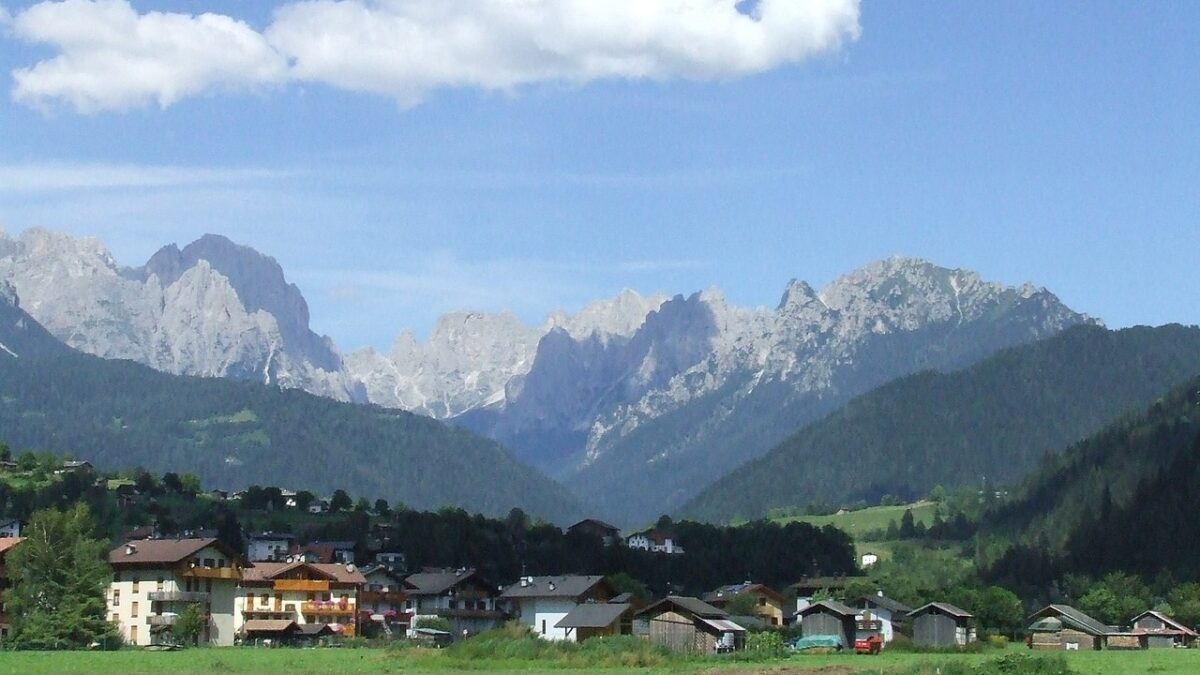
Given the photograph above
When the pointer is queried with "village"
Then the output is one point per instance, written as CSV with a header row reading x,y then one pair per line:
x,y
280,592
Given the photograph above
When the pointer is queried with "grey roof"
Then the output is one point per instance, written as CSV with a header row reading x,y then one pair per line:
x,y
622,597
552,587
596,522
691,605
726,593
885,602
944,608
831,605
434,583
593,615
1073,617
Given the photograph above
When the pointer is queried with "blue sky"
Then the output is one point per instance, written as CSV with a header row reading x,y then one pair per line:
x,y
1053,143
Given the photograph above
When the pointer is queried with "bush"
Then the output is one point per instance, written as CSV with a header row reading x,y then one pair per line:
x,y
435,623
765,645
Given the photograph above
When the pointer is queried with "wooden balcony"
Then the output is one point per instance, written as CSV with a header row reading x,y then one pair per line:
x,y
213,573
332,608
302,585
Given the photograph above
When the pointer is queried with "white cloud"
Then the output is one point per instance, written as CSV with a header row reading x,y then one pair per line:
x,y
111,57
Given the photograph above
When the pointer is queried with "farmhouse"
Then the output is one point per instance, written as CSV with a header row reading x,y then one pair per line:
x,y
891,614
385,598
828,618
461,596
1155,629
303,592
268,546
691,626
655,541
540,603
1062,627
590,527
768,603
940,624
155,579
6,544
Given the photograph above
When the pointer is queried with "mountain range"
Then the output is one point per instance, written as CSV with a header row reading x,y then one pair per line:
x,y
635,403
119,414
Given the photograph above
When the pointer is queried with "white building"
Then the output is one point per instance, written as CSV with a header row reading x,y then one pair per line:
x,y
269,546
301,592
540,603
885,610
155,579
655,541
10,528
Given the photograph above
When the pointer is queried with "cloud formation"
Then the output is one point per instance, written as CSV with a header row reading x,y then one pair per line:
x,y
111,57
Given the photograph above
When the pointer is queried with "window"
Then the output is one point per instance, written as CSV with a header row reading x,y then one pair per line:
x,y
762,601
134,612
159,588
135,584
115,618
116,597
264,599
208,562
543,626
133,634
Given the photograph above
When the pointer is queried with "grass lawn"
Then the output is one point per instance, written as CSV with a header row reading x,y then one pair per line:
x,y
858,523
295,661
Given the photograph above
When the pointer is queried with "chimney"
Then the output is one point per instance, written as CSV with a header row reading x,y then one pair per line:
x,y
130,549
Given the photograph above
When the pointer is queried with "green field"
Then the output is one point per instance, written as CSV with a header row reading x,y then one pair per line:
x,y
305,661
857,523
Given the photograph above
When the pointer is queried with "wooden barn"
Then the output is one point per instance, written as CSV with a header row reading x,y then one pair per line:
x,y
1155,630
828,618
940,624
691,626
1062,627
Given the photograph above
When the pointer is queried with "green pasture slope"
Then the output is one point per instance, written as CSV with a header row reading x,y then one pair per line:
x,y
322,661
857,523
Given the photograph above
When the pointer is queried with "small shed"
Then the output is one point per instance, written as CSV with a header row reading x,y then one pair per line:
x,y
592,619
1157,630
278,631
828,618
692,626
1062,627
940,624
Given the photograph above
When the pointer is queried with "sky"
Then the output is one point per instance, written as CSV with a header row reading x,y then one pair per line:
x,y
403,158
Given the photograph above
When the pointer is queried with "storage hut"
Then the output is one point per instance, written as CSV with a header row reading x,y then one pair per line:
x,y
594,619
940,624
691,626
1155,630
828,618
1062,627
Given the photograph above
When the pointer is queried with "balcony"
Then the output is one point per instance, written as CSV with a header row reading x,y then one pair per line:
x,y
382,597
214,573
330,608
302,585
177,596
162,619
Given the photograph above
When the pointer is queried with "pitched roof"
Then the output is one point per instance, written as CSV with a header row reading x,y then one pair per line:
x,y
593,615
1075,618
269,626
265,571
598,523
552,587
435,582
727,593
690,605
943,608
1168,621
885,602
659,537
163,551
7,543
314,629
832,606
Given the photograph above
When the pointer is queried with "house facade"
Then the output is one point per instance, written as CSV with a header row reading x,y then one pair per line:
x,y
10,528
768,603
891,614
1157,630
6,544
691,626
155,579
269,546
607,534
384,599
302,592
655,541
461,596
541,603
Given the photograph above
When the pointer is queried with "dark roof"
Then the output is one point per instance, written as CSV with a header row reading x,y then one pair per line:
x,y
552,587
596,523
942,608
690,605
593,615
264,571
727,593
436,582
163,551
830,606
313,629
1166,620
885,602
270,626
1075,618
622,597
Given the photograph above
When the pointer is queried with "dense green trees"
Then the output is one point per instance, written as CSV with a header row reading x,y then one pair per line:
x,y
59,575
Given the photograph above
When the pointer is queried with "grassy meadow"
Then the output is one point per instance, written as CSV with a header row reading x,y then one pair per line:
x,y
305,661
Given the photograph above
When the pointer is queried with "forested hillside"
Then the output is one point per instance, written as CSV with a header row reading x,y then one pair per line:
x,y
1124,499
233,434
991,422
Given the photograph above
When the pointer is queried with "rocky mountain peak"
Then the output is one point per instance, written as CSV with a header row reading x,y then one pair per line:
x,y
798,294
